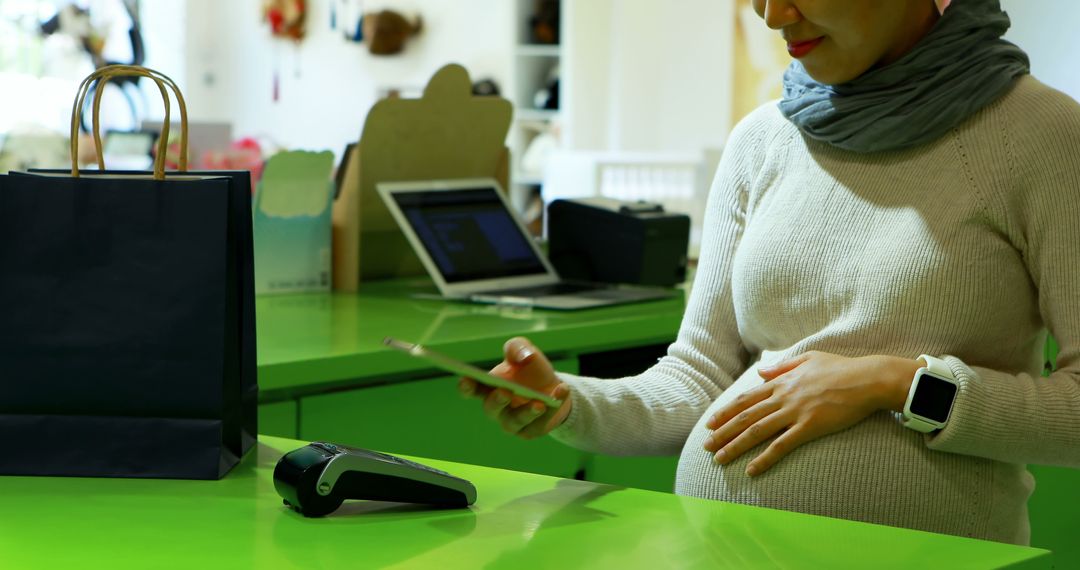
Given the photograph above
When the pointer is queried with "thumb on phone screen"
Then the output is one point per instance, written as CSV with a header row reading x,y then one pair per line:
x,y
527,365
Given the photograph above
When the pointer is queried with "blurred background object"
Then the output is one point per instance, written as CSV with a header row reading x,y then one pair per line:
x,y
679,181
242,154
385,32
21,150
287,18
487,87
545,22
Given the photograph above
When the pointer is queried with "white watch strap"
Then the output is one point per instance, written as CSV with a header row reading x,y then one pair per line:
x,y
916,424
937,366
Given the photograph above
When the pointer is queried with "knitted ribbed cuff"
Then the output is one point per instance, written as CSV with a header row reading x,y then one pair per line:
x,y
971,428
568,432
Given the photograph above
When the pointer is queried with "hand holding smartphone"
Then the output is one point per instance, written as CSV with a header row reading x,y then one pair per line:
x,y
464,369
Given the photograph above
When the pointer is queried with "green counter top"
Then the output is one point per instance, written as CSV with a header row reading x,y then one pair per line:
x,y
317,340
519,521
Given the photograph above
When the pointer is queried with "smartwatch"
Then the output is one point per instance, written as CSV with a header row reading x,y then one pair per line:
x,y
930,399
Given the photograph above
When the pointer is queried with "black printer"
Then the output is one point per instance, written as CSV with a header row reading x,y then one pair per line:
x,y
613,241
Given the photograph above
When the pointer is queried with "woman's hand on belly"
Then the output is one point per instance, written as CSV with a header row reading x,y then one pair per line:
x,y
812,395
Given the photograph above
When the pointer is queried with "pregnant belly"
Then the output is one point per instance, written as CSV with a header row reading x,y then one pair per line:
x,y
876,471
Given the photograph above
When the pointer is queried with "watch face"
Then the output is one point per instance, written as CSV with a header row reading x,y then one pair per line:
x,y
933,398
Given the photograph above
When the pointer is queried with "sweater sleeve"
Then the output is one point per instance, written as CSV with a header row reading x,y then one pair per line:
x,y
653,413
1021,418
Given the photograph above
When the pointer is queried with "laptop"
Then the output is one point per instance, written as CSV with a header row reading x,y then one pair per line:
x,y
475,248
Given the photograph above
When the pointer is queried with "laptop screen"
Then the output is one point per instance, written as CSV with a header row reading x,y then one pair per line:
x,y
469,234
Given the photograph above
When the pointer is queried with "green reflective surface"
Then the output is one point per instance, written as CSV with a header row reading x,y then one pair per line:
x,y
324,372
316,340
399,418
519,521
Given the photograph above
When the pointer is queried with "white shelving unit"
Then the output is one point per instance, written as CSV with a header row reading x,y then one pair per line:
x,y
533,66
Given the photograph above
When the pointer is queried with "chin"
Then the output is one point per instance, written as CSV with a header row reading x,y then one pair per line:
x,y
827,74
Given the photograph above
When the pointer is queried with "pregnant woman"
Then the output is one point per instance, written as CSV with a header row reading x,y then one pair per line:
x,y
885,251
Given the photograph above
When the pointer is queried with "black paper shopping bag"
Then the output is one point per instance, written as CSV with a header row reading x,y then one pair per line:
x,y
127,344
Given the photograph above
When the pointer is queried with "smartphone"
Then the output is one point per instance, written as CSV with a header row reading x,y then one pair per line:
x,y
470,371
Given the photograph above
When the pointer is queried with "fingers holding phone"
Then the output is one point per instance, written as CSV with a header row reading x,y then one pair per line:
x,y
525,365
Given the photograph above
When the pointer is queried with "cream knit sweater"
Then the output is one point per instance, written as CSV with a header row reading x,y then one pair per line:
x,y
967,248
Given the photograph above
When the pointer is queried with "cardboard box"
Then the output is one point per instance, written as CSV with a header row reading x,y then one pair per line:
x,y
292,214
447,133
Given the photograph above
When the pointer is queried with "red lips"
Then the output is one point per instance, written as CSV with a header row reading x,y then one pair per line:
x,y
800,49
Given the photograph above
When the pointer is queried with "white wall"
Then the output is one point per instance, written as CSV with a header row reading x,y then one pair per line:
x,y
1047,30
587,71
327,84
671,89
644,76
651,76
164,27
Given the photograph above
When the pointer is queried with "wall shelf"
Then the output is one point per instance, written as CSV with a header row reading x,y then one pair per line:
x,y
534,115
539,50
535,66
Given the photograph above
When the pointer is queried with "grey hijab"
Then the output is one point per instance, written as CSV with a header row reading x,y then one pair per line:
x,y
961,66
